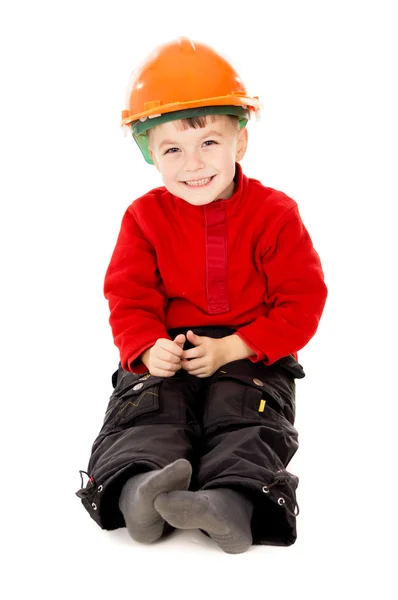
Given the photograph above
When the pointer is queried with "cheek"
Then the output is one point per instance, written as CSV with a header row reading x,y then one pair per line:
x,y
228,151
228,158
169,170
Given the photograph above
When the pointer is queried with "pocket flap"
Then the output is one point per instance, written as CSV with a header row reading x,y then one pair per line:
x,y
255,382
132,384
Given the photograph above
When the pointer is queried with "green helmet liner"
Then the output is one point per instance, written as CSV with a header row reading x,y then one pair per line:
x,y
139,128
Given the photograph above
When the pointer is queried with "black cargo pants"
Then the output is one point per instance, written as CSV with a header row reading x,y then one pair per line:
x,y
236,428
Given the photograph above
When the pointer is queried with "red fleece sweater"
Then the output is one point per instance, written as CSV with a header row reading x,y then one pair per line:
x,y
246,262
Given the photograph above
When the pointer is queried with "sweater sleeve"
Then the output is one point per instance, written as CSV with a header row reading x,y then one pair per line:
x,y
136,296
296,293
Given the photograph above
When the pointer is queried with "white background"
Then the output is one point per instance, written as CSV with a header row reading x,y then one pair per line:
x,y
327,75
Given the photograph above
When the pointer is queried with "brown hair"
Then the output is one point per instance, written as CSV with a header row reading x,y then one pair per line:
x,y
200,122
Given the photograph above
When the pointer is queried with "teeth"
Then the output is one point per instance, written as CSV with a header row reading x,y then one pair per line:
x,y
198,182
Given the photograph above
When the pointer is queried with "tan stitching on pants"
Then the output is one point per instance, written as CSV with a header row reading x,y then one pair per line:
x,y
137,401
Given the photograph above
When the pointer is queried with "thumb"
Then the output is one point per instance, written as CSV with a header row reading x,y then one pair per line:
x,y
193,338
180,340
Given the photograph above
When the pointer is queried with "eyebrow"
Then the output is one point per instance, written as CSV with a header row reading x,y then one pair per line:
x,y
171,143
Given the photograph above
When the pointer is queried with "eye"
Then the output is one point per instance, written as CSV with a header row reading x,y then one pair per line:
x,y
171,150
209,142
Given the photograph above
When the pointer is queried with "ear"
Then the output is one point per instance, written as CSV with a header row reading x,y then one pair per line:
x,y
242,144
153,157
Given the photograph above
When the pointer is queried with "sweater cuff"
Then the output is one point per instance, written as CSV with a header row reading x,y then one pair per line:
x,y
134,363
137,367
259,355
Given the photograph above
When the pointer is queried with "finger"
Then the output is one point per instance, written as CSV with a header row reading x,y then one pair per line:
x,y
192,365
180,340
167,356
171,346
165,365
193,338
199,373
192,353
161,373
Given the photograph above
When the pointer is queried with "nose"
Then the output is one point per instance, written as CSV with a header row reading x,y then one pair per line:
x,y
193,161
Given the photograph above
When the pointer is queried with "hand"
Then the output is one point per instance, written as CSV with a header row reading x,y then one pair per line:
x,y
164,358
207,356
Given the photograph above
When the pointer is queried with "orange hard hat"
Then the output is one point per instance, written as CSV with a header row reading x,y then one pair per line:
x,y
183,74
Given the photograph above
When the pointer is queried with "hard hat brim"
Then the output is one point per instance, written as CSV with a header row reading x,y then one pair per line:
x,y
253,104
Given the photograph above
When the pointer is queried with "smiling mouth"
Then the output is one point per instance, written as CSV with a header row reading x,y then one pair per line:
x,y
199,182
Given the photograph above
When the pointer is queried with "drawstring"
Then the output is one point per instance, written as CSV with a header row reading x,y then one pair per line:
x,y
91,479
293,513
279,481
280,478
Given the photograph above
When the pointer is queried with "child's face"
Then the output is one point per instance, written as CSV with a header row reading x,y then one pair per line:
x,y
198,165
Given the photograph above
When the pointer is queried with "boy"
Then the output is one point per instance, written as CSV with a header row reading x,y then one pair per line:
x,y
213,287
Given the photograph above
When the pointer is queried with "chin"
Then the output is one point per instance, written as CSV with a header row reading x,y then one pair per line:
x,y
198,201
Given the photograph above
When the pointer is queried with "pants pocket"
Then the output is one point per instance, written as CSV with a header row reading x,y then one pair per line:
x,y
133,397
238,399
248,405
145,399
